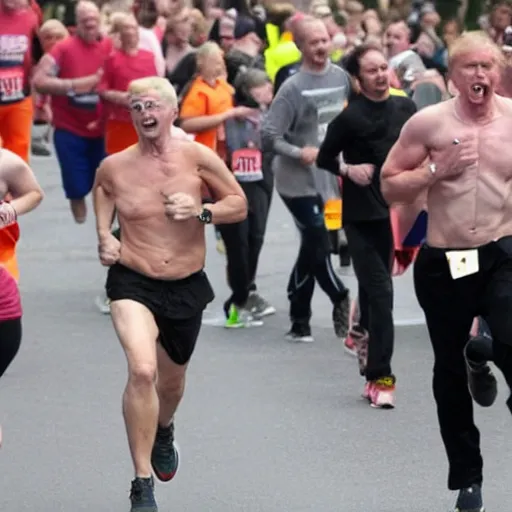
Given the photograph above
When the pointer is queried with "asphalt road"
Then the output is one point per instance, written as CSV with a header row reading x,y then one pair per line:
x,y
265,426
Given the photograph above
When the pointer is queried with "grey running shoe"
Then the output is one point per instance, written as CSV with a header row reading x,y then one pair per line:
x,y
103,304
340,317
142,495
258,306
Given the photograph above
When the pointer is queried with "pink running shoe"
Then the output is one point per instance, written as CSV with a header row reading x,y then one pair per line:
x,y
381,393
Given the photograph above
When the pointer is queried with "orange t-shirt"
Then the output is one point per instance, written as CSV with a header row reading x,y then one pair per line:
x,y
202,99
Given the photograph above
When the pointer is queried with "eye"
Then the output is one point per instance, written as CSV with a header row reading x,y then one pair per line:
x,y
137,107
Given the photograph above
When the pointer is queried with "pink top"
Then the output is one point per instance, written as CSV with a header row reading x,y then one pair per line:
x,y
76,58
10,301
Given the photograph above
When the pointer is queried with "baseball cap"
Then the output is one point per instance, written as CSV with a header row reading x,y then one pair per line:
x,y
244,25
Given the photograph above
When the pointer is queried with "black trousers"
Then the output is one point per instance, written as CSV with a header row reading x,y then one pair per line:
x,y
370,245
314,258
10,341
450,305
244,241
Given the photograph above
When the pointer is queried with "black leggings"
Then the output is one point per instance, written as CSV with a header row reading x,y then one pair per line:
x,y
10,341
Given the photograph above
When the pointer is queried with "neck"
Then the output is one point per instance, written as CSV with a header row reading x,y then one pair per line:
x,y
376,97
246,47
478,114
314,68
178,44
130,50
210,80
157,147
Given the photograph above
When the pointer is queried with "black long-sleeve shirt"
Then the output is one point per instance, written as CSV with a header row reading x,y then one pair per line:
x,y
364,132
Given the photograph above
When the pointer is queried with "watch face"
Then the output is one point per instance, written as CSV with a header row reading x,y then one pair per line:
x,y
206,216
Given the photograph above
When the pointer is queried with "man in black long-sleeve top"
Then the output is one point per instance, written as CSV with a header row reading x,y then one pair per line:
x,y
365,132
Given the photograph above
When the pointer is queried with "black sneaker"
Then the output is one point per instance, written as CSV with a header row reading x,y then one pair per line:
x,y
340,317
481,381
142,495
470,500
300,333
165,457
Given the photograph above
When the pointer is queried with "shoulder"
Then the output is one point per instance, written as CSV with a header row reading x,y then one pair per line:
x,y
423,124
63,46
117,160
404,103
505,105
10,162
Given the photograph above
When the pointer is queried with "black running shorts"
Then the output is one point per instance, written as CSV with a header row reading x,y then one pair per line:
x,y
177,306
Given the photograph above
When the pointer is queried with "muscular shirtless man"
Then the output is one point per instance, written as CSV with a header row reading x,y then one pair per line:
x,y
465,267
156,283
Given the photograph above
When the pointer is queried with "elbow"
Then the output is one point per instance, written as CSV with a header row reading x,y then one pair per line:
x,y
38,197
40,85
241,209
388,191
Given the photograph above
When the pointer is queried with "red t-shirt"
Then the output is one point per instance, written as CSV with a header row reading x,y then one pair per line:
x,y
17,31
119,70
77,58
10,302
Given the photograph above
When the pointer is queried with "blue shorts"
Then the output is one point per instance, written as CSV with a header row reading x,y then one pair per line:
x,y
78,157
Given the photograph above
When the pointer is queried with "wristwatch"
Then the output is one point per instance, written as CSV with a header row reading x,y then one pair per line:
x,y
205,216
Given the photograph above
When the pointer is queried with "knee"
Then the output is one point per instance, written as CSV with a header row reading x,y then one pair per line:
x,y
142,375
171,389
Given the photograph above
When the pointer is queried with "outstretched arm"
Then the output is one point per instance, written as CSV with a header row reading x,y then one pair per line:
x,y
406,173
231,203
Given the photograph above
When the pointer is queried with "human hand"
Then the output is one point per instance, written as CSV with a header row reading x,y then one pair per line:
x,y
109,250
453,159
242,112
8,214
361,174
181,206
86,84
308,155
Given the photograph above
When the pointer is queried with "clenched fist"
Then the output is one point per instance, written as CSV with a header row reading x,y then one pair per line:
x,y
109,250
181,206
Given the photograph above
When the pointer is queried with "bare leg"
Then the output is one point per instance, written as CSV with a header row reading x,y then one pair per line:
x,y
79,210
170,386
138,332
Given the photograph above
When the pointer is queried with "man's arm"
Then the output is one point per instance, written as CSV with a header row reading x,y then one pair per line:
x,y
21,183
334,143
46,79
276,124
231,203
103,200
406,172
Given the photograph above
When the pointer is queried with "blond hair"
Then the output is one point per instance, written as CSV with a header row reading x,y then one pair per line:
x,y
161,86
207,49
472,41
53,26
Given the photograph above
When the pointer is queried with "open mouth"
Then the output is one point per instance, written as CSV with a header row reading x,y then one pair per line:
x,y
149,123
479,90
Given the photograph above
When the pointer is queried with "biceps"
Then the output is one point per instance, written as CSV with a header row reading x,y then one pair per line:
x,y
23,183
404,157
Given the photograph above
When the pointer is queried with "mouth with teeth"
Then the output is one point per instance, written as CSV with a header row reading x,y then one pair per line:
x,y
149,123
479,90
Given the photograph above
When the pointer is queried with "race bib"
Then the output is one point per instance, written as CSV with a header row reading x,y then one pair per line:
x,y
246,165
11,85
463,263
84,101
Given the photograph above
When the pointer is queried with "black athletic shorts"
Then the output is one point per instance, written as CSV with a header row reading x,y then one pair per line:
x,y
177,306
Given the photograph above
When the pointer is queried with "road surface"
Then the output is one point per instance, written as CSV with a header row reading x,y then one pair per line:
x,y
265,426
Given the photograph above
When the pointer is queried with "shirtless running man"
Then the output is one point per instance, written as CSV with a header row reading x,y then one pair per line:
x,y
465,267
156,283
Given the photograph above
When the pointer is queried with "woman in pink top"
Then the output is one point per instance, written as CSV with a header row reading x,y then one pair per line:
x,y
17,181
